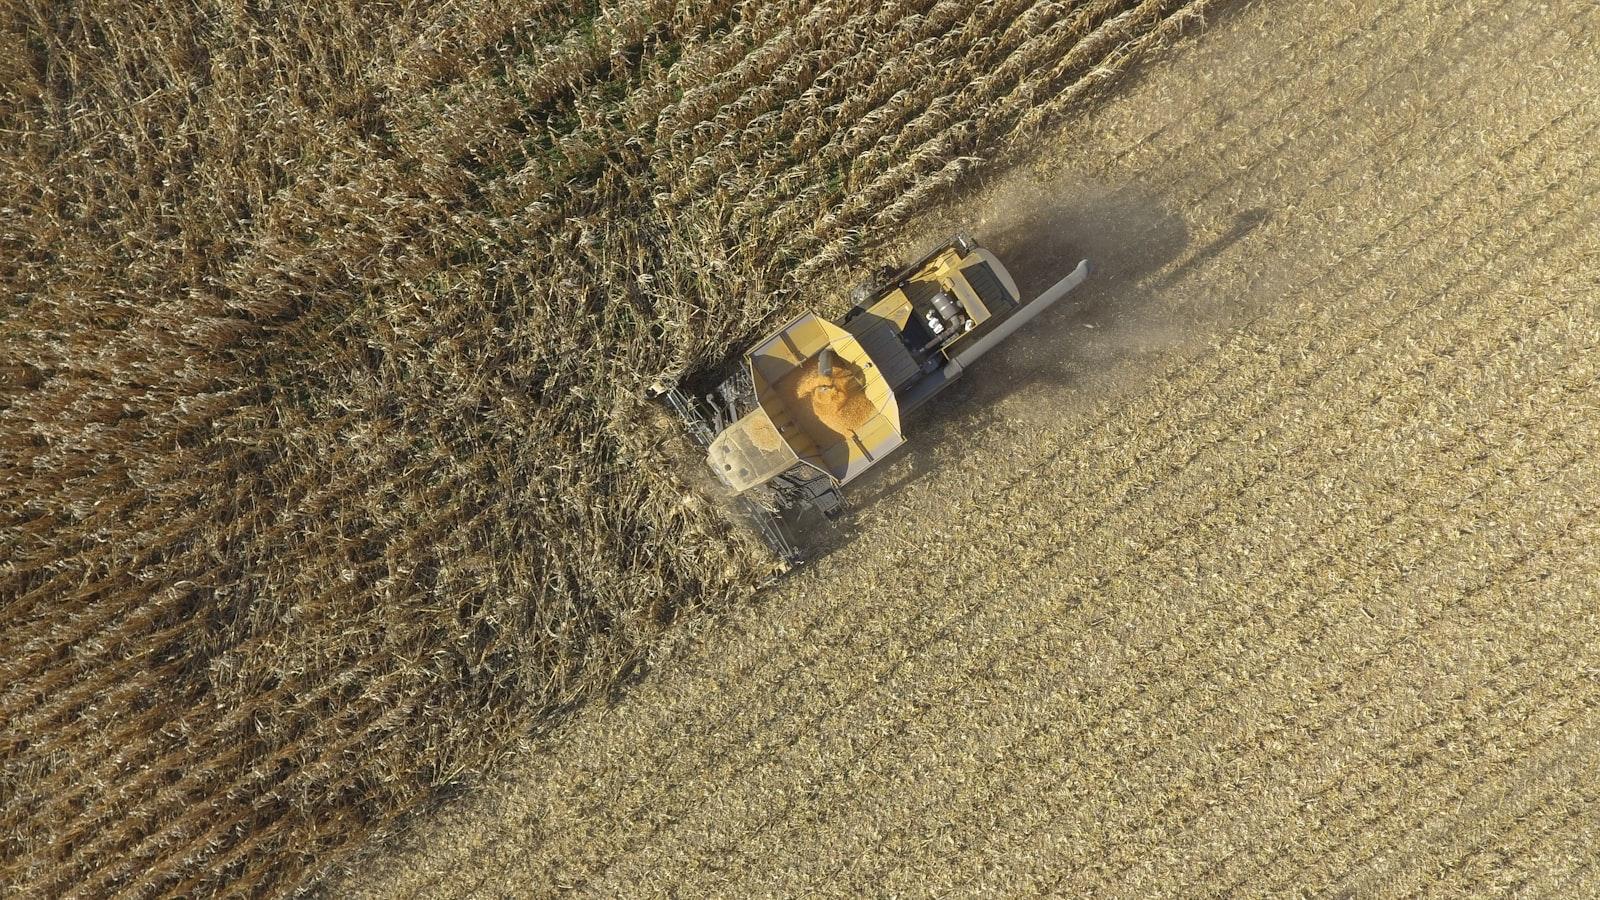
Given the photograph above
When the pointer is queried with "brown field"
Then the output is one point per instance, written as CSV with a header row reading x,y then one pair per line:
x,y
1267,567
324,467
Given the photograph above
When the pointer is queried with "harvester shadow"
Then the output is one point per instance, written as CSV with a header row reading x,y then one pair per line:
x,y
1128,237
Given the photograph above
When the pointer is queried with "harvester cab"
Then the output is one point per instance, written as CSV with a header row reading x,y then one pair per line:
x,y
816,404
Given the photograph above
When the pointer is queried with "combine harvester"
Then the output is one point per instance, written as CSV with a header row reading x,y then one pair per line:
x,y
818,403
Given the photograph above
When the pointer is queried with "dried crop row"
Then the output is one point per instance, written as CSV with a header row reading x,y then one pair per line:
x,y
818,194
44,413
813,196
925,101
134,622
870,89
942,159
98,489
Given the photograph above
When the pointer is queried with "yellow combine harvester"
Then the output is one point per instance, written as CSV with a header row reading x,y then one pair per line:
x,y
817,403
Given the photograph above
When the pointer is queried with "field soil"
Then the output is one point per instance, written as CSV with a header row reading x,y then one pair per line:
x,y
1265,564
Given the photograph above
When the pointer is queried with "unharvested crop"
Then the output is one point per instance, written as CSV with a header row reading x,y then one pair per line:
x,y
323,467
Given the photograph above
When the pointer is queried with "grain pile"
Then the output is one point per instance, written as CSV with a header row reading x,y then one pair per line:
x,y
322,468
836,401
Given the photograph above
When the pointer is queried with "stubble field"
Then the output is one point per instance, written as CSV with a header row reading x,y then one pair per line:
x,y
1266,567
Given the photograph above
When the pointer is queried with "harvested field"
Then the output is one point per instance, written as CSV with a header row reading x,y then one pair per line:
x,y
324,471
1266,567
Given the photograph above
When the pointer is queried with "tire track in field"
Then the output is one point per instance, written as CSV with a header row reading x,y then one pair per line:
x,y
1523,820
1220,142
1419,751
1208,875
1328,127
1525,689
1208,53
1496,758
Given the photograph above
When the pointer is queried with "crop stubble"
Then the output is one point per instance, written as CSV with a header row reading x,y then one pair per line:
x,y
1311,607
